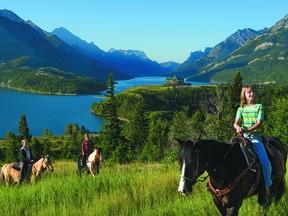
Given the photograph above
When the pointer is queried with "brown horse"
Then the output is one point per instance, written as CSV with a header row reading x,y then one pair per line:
x,y
231,179
11,175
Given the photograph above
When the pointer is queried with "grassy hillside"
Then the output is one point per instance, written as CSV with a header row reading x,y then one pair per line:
x,y
136,189
158,97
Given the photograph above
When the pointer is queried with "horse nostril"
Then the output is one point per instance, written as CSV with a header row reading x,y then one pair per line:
x,y
183,192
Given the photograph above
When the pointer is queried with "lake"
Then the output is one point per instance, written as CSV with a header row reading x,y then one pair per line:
x,y
55,112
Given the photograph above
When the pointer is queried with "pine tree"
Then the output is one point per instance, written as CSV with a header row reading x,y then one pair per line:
x,y
277,124
233,97
13,147
24,129
137,129
110,135
37,147
157,139
233,93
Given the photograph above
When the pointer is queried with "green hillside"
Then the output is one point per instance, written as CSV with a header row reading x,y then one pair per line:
x,y
48,81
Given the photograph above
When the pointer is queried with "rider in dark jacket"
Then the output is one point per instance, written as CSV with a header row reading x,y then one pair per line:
x,y
26,158
87,148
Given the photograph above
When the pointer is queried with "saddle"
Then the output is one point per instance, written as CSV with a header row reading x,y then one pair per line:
x,y
17,166
273,147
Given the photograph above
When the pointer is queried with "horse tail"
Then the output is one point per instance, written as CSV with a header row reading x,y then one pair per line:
x,y
2,174
79,165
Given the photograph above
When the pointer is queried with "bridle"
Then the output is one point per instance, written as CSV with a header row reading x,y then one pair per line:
x,y
98,158
47,163
196,173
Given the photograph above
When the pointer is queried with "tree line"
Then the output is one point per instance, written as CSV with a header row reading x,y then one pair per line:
x,y
154,118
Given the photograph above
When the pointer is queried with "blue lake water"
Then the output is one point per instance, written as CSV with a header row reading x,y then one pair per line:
x,y
55,112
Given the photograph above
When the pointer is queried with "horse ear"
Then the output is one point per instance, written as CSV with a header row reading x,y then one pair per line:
x,y
197,140
180,142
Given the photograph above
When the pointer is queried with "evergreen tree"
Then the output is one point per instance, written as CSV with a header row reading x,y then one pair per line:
x,y
197,124
36,147
181,126
74,142
110,136
137,129
69,129
277,123
233,94
233,102
13,147
157,139
24,129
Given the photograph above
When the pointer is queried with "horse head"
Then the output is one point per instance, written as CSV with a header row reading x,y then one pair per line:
x,y
192,164
96,156
99,154
47,164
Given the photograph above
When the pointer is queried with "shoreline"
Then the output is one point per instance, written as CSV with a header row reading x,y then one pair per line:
x,y
42,93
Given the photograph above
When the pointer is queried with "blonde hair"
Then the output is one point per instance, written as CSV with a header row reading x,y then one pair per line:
x,y
242,96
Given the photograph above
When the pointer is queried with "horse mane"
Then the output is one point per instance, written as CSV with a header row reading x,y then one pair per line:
x,y
186,150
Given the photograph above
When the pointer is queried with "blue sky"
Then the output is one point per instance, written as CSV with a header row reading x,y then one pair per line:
x,y
166,30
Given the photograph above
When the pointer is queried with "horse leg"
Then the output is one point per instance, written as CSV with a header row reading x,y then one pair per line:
x,y
33,179
7,179
220,207
232,211
265,210
92,169
97,168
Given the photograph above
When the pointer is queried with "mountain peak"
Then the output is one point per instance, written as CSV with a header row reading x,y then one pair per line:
x,y
137,53
10,15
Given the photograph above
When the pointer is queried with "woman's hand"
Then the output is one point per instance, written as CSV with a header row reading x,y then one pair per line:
x,y
239,129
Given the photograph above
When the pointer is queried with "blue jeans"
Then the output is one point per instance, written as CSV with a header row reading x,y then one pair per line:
x,y
263,158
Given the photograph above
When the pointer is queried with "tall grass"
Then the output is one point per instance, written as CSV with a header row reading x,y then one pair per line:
x,y
136,189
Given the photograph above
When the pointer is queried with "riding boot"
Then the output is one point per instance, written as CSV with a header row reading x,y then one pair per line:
x,y
264,197
21,173
84,157
262,200
268,194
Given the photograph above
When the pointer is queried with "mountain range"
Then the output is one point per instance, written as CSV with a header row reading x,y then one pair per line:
x,y
27,45
260,56
132,62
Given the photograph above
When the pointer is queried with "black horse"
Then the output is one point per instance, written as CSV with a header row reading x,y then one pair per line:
x,y
233,174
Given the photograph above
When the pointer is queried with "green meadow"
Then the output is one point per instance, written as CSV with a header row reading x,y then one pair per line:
x,y
134,189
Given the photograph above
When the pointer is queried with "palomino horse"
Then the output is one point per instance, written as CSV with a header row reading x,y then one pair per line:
x,y
11,175
231,177
93,162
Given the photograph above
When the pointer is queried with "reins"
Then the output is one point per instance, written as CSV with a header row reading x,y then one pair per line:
x,y
198,180
46,163
223,159
216,191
